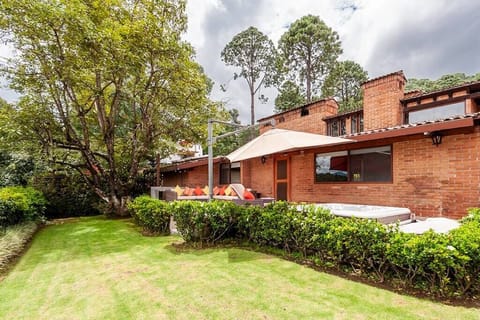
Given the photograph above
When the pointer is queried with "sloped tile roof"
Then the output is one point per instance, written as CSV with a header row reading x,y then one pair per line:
x,y
413,125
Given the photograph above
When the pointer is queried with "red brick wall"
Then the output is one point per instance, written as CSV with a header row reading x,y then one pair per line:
x,y
196,176
381,101
258,176
429,180
312,122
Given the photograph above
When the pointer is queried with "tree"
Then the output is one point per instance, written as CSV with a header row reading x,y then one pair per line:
x,y
344,84
310,49
445,81
289,96
254,54
106,86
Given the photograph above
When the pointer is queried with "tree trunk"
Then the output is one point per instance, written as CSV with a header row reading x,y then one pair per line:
x,y
309,76
252,107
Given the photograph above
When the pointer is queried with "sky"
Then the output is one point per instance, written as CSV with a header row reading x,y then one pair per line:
x,y
424,38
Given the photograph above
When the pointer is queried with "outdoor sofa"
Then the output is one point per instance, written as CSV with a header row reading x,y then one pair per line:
x,y
235,192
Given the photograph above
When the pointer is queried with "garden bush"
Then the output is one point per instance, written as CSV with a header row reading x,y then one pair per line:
x,y
151,214
445,265
18,204
206,222
67,195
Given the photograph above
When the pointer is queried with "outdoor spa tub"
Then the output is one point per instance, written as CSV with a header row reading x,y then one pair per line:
x,y
380,213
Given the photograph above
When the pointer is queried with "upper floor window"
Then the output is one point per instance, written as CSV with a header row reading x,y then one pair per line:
x,y
356,123
337,127
437,113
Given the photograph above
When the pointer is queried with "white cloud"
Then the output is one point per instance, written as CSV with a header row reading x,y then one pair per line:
x,y
425,38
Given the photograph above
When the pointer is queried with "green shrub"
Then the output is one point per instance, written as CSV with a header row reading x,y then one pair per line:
x,y
151,214
10,212
18,204
440,264
209,222
466,240
67,195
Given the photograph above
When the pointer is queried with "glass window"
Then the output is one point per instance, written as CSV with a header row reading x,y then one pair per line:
x,y
331,166
224,173
333,128
437,113
282,169
366,165
361,122
372,164
235,172
354,124
230,173
343,127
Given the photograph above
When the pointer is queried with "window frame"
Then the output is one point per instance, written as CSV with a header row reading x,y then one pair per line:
x,y
349,154
433,105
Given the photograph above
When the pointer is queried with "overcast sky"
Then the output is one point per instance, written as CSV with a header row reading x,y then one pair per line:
x,y
424,38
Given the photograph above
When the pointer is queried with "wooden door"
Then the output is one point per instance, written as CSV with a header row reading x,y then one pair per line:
x,y
282,173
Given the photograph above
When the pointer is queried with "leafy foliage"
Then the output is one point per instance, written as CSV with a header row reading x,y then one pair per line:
x,y
99,96
18,204
151,214
16,169
254,54
343,83
205,222
228,144
309,50
67,195
445,81
438,264
289,96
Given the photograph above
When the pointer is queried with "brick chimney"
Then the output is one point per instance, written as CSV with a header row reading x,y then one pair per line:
x,y
381,101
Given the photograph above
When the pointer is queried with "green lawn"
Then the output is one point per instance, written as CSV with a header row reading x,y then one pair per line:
x,y
104,269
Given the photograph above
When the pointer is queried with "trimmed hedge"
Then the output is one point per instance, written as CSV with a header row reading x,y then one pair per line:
x,y
151,214
444,265
19,204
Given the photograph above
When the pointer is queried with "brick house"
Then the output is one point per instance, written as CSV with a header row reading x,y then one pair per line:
x,y
414,150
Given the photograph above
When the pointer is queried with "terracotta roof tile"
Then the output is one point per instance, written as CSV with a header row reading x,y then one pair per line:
x,y
412,125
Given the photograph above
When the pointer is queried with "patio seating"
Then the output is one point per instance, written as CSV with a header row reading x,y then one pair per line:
x,y
237,196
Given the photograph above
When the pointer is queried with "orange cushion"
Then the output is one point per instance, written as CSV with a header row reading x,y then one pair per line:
x,y
247,195
198,191
222,191
188,191
216,190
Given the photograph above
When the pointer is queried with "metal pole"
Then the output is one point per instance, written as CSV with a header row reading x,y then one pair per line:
x,y
210,159
158,169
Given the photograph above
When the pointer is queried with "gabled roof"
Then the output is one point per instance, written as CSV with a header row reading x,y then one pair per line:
x,y
191,163
343,114
296,108
454,122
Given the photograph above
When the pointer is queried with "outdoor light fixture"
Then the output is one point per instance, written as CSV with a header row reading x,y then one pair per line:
x,y
263,159
436,137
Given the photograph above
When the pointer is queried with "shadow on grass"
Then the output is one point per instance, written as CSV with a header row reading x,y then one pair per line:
x,y
234,252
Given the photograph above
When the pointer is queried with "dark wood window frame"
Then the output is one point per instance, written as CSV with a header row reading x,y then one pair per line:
x,y
349,174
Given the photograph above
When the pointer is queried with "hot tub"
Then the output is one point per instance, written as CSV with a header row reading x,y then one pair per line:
x,y
380,213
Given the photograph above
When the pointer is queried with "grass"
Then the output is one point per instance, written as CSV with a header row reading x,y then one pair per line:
x,y
96,268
